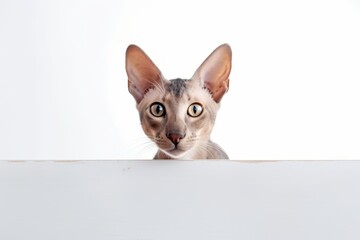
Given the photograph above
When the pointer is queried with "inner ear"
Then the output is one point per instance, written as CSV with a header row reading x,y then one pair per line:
x,y
142,73
213,73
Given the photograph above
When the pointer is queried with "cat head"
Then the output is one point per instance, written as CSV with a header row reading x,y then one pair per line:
x,y
179,114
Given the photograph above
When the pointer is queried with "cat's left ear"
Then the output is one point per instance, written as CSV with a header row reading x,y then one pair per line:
x,y
214,72
142,73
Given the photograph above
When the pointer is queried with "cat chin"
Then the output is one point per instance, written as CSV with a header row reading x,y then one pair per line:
x,y
175,153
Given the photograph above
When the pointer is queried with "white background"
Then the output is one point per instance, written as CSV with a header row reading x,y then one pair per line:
x,y
294,87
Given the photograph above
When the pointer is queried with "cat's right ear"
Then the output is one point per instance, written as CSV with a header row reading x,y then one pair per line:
x,y
141,71
214,72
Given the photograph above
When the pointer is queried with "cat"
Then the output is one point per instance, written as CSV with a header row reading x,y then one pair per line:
x,y
179,114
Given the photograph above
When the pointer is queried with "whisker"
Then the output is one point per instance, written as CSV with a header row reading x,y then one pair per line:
x,y
142,144
157,85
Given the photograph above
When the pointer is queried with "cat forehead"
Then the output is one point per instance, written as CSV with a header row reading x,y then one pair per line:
x,y
177,86
184,90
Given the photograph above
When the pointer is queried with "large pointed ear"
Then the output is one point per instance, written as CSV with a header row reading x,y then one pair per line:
x,y
141,71
213,73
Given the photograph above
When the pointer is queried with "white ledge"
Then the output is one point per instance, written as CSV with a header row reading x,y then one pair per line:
x,y
179,200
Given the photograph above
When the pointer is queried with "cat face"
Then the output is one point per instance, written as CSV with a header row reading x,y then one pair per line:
x,y
178,115
179,121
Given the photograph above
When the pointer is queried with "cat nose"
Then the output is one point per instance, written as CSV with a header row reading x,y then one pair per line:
x,y
175,137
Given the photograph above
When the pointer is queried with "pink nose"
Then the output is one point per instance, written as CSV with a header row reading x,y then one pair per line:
x,y
175,137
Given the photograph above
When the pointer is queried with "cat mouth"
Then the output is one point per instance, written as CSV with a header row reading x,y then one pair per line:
x,y
175,148
176,151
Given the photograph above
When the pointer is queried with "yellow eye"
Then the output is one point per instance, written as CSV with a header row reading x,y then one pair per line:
x,y
157,109
195,110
